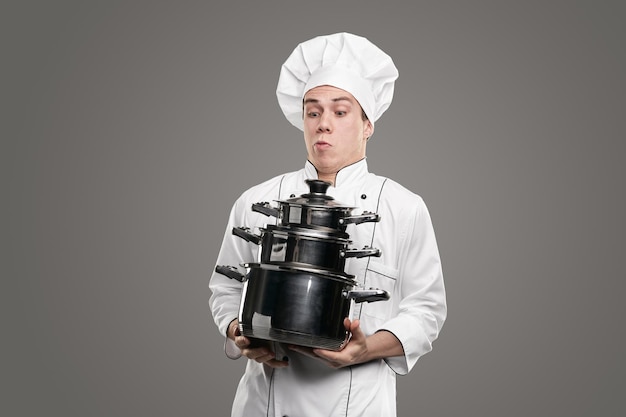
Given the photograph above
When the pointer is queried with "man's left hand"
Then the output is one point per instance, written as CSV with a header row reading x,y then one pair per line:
x,y
354,352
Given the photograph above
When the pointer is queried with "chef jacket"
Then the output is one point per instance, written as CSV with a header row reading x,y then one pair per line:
x,y
409,269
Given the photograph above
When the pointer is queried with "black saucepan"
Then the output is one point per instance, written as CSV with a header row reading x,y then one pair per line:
x,y
297,247
304,307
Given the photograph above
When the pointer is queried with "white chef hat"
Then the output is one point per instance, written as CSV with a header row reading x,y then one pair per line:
x,y
343,60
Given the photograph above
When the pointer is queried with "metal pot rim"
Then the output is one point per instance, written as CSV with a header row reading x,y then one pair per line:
x,y
327,234
316,197
343,277
303,201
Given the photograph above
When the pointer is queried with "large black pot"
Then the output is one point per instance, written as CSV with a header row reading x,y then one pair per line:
x,y
302,247
297,306
314,210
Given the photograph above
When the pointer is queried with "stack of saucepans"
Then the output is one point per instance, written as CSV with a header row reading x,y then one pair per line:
x,y
299,292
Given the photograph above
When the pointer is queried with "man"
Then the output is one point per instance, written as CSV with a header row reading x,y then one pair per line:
x,y
334,88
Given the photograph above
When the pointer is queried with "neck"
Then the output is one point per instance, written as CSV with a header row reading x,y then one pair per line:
x,y
327,177
331,176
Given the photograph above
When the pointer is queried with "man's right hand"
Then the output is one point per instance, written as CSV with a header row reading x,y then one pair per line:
x,y
256,349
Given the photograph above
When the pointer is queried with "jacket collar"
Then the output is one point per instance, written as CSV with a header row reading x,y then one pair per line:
x,y
346,176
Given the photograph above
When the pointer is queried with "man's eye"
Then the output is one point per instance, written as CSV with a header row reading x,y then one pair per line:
x,y
312,114
340,113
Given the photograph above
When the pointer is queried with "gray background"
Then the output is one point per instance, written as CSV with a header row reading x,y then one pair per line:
x,y
128,130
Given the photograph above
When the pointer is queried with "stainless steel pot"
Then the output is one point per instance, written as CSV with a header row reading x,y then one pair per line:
x,y
297,306
301,247
314,210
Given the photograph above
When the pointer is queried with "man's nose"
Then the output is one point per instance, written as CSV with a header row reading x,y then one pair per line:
x,y
324,124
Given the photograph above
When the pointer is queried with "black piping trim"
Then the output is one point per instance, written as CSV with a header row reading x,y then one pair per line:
x,y
349,391
269,393
280,190
369,258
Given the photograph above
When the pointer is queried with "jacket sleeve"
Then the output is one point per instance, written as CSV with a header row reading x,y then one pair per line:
x,y
422,305
226,292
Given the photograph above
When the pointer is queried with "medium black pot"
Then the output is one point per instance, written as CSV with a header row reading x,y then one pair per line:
x,y
302,247
315,210
297,306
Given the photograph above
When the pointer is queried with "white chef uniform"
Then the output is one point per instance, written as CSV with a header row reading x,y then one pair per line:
x,y
409,269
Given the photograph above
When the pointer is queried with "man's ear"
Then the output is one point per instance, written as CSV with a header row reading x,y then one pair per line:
x,y
368,130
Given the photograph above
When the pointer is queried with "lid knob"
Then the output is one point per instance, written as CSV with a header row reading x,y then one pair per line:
x,y
317,186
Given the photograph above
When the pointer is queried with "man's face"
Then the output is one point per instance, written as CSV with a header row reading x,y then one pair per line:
x,y
334,130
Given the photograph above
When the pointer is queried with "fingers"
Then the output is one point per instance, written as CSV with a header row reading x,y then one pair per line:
x,y
259,351
347,323
304,350
351,326
325,356
275,363
355,329
260,355
242,342
265,356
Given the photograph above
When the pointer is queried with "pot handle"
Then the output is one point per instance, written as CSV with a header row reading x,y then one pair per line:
x,y
366,216
265,208
360,253
244,233
230,272
370,295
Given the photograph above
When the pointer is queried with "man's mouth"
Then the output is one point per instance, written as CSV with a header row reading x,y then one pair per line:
x,y
322,144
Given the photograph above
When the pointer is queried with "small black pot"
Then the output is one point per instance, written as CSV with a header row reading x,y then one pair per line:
x,y
302,247
314,210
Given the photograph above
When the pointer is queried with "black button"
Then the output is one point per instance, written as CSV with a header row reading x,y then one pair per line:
x,y
363,196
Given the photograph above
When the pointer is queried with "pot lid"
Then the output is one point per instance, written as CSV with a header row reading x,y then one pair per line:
x,y
317,197
331,235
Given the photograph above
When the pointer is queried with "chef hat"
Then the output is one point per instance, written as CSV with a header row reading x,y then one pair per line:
x,y
343,60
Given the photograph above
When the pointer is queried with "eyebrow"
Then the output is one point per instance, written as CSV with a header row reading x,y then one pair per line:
x,y
313,100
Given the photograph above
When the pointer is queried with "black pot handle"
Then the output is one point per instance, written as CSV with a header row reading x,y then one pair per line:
x,y
360,253
369,295
364,217
244,233
230,272
265,208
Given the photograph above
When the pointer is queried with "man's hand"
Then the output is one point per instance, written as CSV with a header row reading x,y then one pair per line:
x,y
355,351
359,349
257,350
